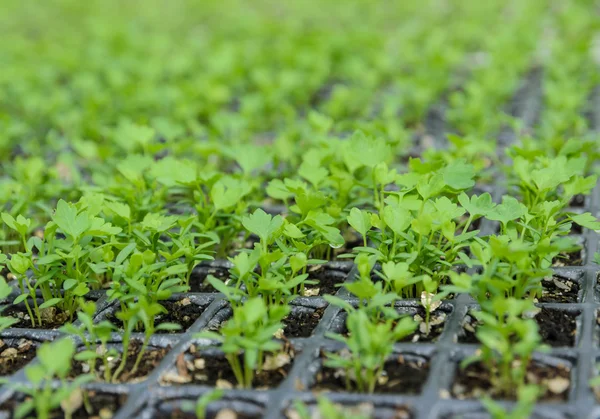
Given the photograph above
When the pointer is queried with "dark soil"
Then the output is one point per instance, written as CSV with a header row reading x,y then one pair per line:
x,y
182,312
150,359
198,281
327,280
557,327
436,326
302,323
402,376
577,201
181,414
576,229
103,405
474,381
214,370
559,290
574,258
52,318
14,357
467,333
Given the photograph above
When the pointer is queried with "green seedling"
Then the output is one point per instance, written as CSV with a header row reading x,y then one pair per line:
x,y
248,336
369,345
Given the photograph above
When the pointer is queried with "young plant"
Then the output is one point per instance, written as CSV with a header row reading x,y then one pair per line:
x,y
140,312
509,338
95,337
369,346
43,396
248,335
526,398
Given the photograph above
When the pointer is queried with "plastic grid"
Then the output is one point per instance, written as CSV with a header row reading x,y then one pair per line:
x,y
152,399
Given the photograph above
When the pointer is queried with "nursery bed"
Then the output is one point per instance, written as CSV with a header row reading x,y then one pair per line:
x,y
435,388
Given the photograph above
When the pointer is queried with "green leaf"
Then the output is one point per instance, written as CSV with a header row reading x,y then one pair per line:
x,y
396,218
586,220
360,221
477,206
227,192
67,219
459,175
262,224
429,186
51,302
510,209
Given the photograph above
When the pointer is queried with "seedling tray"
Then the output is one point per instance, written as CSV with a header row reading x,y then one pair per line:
x,y
432,391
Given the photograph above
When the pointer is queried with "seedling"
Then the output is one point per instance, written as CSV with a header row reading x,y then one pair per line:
x,y
247,336
369,345
43,396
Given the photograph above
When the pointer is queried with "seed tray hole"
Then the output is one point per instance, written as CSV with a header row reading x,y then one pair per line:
x,y
151,358
212,369
302,322
559,290
15,355
556,327
402,375
52,317
437,322
103,405
183,312
474,381
568,258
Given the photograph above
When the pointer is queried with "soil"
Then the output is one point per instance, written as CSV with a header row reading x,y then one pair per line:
x,y
302,323
182,312
436,326
467,333
198,281
195,367
557,328
574,258
364,409
559,290
220,414
576,229
474,381
401,376
150,359
577,201
52,317
103,405
15,356
327,280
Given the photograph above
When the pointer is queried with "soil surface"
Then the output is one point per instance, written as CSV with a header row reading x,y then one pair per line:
x,y
182,312
198,281
15,356
101,405
574,258
329,280
474,381
577,201
210,414
214,370
557,327
150,359
559,290
302,323
401,376
52,318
